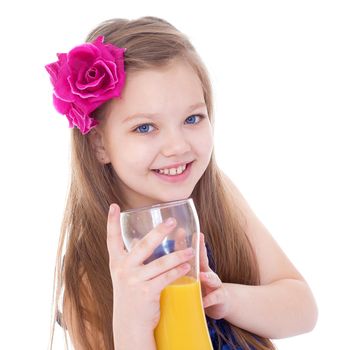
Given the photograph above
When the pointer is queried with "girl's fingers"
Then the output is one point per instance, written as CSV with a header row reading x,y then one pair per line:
x,y
211,279
212,298
162,281
166,263
114,239
145,247
180,239
133,243
219,299
204,262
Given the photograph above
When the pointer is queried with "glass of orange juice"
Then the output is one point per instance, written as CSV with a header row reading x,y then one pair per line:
x,y
182,322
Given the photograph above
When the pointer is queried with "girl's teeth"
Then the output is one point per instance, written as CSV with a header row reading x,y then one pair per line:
x,y
173,171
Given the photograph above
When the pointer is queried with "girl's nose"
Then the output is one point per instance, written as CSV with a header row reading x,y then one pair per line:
x,y
175,143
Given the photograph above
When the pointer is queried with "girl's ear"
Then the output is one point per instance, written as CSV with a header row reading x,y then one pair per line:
x,y
97,143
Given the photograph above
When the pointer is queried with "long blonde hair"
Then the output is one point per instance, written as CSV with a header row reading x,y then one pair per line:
x,y
151,42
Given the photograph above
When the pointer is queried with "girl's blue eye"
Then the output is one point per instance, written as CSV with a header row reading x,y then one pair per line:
x,y
192,117
143,128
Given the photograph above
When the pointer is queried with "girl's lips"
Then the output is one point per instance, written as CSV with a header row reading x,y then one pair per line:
x,y
175,178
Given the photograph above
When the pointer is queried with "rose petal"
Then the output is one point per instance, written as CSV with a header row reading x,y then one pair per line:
x,y
81,120
92,74
84,91
91,84
81,56
61,106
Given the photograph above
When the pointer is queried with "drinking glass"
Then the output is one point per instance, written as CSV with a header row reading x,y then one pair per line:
x,y
182,322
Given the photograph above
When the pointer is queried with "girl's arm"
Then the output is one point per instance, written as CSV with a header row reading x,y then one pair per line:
x,y
283,305
278,310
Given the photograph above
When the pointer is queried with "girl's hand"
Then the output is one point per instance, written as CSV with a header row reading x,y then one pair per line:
x,y
215,298
136,286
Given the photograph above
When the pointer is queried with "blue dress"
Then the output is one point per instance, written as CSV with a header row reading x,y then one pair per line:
x,y
226,330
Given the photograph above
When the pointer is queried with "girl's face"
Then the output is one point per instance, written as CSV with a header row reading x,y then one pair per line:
x,y
159,122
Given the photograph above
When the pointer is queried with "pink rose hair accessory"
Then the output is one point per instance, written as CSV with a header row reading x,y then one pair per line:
x,y
84,78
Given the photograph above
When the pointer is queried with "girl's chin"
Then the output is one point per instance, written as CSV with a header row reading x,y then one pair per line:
x,y
173,196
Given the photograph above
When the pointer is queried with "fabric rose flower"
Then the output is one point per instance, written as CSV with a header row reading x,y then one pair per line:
x,y
84,78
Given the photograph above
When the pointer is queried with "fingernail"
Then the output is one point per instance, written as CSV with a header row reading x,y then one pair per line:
x,y
190,251
112,209
186,267
170,222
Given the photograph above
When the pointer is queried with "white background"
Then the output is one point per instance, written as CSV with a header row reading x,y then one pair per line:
x,y
278,77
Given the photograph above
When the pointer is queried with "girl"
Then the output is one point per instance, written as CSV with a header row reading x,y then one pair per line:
x,y
140,102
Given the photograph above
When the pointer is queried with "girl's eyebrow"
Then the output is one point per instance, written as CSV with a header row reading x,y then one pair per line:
x,y
153,115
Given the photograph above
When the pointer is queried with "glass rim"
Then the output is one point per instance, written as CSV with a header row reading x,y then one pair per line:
x,y
156,206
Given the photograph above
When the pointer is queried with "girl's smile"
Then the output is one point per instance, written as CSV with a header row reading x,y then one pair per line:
x,y
174,174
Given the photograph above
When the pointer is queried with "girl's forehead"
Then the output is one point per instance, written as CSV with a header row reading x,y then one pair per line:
x,y
178,79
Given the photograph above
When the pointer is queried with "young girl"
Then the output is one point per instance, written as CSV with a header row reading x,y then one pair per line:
x,y
140,103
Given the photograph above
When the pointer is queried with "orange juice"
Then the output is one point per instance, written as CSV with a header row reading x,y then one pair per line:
x,y
182,322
